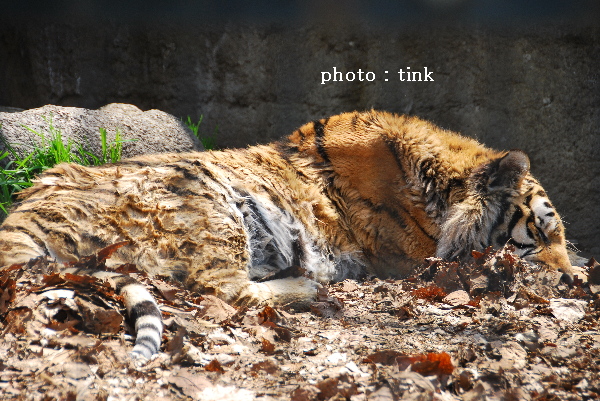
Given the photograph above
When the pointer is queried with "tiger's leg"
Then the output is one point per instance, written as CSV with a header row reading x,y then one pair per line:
x,y
297,292
235,286
18,247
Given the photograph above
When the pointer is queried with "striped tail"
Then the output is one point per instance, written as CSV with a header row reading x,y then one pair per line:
x,y
142,311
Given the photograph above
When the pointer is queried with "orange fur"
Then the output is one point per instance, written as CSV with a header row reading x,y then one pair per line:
x,y
357,191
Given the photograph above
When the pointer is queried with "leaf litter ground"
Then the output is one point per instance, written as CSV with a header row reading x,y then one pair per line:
x,y
496,328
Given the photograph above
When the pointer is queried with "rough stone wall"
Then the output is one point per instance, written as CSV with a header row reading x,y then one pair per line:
x,y
533,88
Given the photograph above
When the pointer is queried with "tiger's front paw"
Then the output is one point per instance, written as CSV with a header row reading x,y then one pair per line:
x,y
297,292
256,294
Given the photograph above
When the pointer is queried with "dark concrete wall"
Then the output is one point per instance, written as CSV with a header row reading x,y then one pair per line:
x,y
536,88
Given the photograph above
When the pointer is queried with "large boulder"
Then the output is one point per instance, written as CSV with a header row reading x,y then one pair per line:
x,y
145,132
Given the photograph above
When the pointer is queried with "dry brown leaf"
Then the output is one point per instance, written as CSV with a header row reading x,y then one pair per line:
x,y
189,382
53,279
514,356
97,260
478,283
343,385
97,319
268,314
570,310
167,290
175,345
281,333
325,305
127,268
428,364
16,320
75,341
349,286
66,325
456,298
386,357
448,277
305,393
267,366
80,279
215,309
430,293
106,253
531,296
411,385
267,347
477,255
8,294
214,366
593,272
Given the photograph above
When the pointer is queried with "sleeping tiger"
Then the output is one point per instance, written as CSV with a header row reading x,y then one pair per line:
x,y
362,192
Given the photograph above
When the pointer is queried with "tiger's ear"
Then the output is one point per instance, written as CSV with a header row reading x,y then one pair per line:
x,y
504,172
510,170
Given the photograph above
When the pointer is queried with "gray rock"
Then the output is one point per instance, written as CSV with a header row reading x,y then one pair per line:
x,y
10,109
146,132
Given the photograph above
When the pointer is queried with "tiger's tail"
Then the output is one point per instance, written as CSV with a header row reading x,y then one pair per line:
x,y
142,310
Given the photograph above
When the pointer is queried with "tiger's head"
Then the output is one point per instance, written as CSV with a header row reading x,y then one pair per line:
x,y
503,205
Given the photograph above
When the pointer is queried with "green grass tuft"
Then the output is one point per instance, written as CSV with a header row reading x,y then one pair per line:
x,y
208,142
51,150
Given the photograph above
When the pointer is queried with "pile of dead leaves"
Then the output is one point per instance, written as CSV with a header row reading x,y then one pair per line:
x,y
496,328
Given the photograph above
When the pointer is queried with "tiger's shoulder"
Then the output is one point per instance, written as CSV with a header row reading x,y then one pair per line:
x,y
409,140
